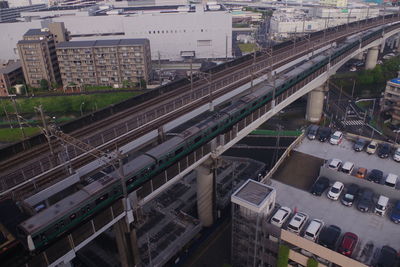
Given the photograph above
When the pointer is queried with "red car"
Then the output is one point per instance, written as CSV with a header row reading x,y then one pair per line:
x,y
349,242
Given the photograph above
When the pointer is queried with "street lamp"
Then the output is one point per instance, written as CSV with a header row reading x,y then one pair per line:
x,y
83,103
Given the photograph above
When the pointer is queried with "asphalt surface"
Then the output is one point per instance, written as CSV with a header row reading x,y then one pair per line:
x,y
367,226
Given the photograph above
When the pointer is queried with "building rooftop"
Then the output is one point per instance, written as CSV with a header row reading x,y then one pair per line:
x,y
252,194
36,32
100,43
9,66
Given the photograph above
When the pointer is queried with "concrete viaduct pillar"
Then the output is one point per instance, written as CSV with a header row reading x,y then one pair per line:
x,y
372,57
127,244
315,103
359,56
205,193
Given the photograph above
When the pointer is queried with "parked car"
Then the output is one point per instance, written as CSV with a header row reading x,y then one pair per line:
x,y
349,242
348,167
361,173
281,216
366,201
351,195
387,257
335,164
297,223
312,131
329,236
320,185
375,176
371,148
336,138
395,215
384,150
396,155
391,180
335,190
324,133
359,145
381,205
313,229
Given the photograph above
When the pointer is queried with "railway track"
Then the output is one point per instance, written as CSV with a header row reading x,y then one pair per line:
x,y
31,186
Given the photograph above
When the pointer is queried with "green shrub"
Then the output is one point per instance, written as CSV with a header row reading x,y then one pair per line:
x,y
283,256
312,263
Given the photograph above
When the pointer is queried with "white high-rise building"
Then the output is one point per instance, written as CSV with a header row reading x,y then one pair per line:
x,y
200,31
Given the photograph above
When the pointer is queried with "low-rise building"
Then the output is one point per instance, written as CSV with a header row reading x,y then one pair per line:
x,y
37,52
10,75
391,100
114,63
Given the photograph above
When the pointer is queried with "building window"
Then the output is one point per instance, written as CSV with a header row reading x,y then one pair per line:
x,y
204,43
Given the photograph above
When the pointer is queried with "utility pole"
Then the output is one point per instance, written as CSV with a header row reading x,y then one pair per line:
x,y
46,129
17,115
352,90
159,67
191,76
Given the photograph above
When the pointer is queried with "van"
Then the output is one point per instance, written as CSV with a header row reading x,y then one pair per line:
x,y
312,132
391,180
297,222
381,205
348,167
313,230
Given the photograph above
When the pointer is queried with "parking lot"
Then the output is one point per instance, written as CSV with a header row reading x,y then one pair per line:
x,y
368,226
345,152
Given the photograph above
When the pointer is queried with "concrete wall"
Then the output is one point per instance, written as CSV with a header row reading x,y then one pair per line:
x,y
378,189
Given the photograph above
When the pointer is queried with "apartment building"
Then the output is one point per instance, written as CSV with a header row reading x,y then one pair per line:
x,y
37,52
391,100
10,75
116,63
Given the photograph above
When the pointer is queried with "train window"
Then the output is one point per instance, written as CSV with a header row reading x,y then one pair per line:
x,y
197,139
101,199
83,210
242,111
214,128
88,208
131,180
178,151
72,216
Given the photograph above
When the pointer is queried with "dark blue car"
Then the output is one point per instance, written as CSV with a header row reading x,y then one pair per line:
x,y
395,215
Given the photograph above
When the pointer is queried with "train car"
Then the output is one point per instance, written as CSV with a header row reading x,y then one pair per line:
x,y
52,222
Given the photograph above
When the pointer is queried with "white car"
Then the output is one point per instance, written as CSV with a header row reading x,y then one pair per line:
x,y
335,191
336,138
396,155
297,222
313,229
281,216
335,164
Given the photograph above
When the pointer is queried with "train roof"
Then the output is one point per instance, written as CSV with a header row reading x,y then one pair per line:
x,y
58,210
137,164
165,147
54,212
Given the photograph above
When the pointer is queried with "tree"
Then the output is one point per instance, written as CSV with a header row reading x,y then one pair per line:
x,y
44,84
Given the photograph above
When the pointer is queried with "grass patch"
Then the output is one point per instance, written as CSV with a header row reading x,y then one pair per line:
x,y
247,48
283,256
15,134
66,105
312,263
